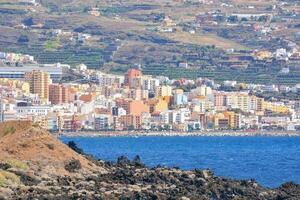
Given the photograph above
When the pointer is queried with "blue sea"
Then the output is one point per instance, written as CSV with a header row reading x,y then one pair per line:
x,y
270,160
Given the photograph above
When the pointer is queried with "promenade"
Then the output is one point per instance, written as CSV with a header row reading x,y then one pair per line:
x,y
230,133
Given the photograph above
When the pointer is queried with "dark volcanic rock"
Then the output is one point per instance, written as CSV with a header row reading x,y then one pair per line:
x,y
73,165
28,178
130,179
289,190
5,166
123,161
137,162
74,146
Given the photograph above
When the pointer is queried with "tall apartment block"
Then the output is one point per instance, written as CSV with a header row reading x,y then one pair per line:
x,y
39,83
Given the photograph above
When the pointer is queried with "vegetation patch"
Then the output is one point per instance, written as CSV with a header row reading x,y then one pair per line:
x,y
53,44
17,164
9,130
8,178
50,146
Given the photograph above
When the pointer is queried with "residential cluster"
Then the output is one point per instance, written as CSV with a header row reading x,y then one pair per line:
x,y
133,101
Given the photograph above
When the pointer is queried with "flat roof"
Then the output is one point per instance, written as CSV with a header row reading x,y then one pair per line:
x,y
21,70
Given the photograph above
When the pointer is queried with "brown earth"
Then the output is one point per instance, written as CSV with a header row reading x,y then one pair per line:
x,y
41,151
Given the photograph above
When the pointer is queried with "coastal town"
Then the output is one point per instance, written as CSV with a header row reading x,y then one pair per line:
x,y
150,99
64,99
167,66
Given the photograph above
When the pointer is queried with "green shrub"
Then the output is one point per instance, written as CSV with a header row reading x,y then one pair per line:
x,y
9,130
50,146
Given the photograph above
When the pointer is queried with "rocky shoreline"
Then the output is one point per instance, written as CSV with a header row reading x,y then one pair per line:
x,y
132,180
35,165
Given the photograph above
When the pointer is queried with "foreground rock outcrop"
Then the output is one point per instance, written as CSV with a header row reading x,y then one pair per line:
x,y
35,165
43,153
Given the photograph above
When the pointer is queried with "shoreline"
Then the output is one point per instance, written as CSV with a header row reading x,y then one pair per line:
x,y
45,168
180,134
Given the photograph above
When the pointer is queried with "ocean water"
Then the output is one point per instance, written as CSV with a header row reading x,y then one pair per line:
x,y
270,160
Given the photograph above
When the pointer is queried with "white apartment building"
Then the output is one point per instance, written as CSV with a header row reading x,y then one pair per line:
x,y
35,110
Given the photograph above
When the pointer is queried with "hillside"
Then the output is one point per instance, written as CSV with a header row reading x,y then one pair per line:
x,y
156,35
35,165
38,150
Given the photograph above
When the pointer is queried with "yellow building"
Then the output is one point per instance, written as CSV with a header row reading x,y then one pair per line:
x,y
261,55
158,105
25,87
227,120
204,90
239,100
243,102
16,84
275,107
163,91
201,104
39,83
233,119
220,121
260,104
79,87
178,91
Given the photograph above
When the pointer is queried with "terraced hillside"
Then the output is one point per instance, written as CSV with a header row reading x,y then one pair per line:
x,y
116,35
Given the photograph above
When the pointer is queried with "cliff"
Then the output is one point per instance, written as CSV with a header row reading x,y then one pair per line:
x,y
35,165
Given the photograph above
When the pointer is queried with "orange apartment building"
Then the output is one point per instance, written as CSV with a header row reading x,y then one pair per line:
x,y
133,107
131,121
131,74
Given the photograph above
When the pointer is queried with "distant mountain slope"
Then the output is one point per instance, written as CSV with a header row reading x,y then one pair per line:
x,y
154,34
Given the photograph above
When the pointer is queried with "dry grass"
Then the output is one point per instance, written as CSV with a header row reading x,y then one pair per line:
x,y
203,39
17,164
8,178
12,127
254,2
